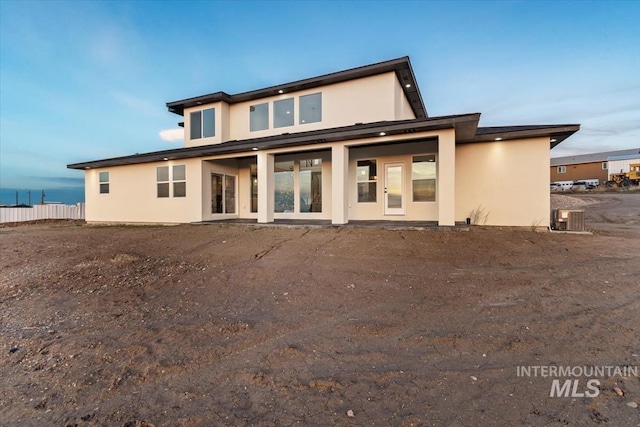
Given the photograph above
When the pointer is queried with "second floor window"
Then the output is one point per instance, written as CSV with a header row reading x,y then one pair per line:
x,y
259,117
203,123
283,113
311,108
562,169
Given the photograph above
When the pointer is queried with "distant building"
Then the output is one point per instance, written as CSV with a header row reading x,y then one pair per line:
x,y
622,163
586,166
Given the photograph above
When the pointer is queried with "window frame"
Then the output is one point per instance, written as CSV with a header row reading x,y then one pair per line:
x,y
168,186
368,181
291,112
562,169
435,179
183,180
198,132
254,108
605,166
103,185
301,102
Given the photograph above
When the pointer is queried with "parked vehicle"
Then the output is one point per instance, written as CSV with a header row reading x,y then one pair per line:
x,y
625,179
586,184
564,185
555,186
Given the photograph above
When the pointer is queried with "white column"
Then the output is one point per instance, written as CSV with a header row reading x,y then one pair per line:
x,y
266,184
339,183
447,178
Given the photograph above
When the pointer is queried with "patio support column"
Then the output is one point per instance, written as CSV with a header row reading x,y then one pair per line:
x,y
339,179
447,178
266,184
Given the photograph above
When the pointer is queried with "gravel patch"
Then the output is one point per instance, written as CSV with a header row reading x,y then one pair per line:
x,y
560,201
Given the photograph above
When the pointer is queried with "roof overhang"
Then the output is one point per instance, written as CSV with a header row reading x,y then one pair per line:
x,y
556,133
401,66
463,124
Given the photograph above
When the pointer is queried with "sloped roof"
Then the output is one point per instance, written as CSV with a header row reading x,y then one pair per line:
x,y
465,125
591,157
401,66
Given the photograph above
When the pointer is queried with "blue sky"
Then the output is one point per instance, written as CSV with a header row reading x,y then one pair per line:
x,y
86,80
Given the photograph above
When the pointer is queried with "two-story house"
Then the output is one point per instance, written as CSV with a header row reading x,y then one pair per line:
x,y
352,145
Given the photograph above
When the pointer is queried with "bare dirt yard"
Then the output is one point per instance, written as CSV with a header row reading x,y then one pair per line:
x,y
238,325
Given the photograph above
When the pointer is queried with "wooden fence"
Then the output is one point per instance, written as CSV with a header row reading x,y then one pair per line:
x,y
37,212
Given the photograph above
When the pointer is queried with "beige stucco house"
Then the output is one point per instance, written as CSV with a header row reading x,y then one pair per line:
x,y
352,145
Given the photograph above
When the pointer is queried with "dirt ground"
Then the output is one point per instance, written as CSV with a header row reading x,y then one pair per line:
x,y
238,325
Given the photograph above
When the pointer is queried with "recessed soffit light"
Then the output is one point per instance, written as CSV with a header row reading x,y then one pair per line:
x,y
498,139
382,133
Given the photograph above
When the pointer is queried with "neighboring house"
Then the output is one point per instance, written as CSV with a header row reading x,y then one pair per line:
x,y
585,166
352,145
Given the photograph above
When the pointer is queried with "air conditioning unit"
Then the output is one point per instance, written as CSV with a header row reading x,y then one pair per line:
x,y
568,220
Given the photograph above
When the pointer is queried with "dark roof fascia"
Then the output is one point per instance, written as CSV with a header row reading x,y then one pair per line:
x,y
557,132
401,66
346,133
178,106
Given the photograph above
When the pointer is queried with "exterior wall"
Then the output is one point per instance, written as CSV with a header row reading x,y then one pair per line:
x,y
622,165
509,179
580,171
402,107
132,196
395,153
365,100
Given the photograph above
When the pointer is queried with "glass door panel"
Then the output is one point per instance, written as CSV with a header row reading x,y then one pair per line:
x,y
394,189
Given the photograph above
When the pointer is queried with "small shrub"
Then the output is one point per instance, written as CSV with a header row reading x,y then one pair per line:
x,y
479,216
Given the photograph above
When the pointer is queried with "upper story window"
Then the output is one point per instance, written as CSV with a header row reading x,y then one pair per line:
x,y
283,113
562,169
311,108
259,117
605,166
104,182
203,123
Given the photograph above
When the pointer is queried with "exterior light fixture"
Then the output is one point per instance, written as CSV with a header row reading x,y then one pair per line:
x,y
382,133
407,85
255,148
87,168
165,158
280,91
498,139
553,140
